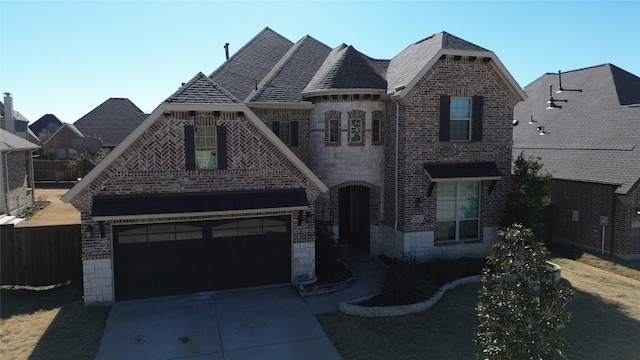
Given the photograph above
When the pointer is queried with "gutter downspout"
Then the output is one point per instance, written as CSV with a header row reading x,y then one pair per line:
x,y
395,225
6,166
613,222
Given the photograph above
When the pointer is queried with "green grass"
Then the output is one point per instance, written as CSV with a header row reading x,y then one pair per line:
x,y
605,323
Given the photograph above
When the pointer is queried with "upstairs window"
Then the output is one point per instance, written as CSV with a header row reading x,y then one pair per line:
x,y
332,125
376,127
205,147
355,131
287,131
460,119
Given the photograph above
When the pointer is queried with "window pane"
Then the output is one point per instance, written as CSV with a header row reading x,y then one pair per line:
x,y
446,230
446,203
334,130
469,230
459,129
375,129
460,108
205,147
356,130
469,200
284,132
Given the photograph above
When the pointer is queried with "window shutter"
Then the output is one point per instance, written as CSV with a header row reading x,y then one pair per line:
x,y
189,147
221,133
476,118
275,127
445,103
294,133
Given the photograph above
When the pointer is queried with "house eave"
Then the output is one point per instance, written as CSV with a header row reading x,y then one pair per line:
x,y
327,92
305,105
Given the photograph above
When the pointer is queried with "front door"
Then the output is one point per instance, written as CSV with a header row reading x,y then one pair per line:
x,y
354,218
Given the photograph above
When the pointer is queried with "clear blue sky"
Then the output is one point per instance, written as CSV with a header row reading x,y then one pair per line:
x,y
66,58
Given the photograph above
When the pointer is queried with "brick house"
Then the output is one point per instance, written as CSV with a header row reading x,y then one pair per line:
x,y
16,162
57,146
408,157
591,147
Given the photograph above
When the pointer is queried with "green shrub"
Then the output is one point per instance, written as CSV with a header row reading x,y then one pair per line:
x,y
519,308
405,283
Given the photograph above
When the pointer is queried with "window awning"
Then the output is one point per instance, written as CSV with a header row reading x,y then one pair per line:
x,y
477,171
120,207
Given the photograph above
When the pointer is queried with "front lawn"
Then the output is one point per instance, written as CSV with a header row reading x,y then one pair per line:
x,y
605,325
49,323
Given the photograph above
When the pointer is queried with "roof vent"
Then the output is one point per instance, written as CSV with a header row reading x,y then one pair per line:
x,y
226,50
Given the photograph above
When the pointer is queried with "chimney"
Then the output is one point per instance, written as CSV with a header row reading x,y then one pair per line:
x,y
9,121
226,50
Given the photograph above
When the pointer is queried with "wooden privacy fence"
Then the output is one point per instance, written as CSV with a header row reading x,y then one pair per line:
x,y
54,170
38,256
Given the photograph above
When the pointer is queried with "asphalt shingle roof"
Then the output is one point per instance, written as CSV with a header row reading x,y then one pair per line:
x,y
251,63
405,66
9,141
595,136
111,121
48,121
346,68
201,89
290,75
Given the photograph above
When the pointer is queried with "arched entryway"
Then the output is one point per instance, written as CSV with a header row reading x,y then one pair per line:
x,y
354,218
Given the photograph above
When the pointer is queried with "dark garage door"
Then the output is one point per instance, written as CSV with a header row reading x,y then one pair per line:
x,y
153,260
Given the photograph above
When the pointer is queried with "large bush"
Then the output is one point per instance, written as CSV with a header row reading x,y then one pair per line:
x,y
519,308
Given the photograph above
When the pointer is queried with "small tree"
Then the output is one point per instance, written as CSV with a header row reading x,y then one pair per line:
x,y
519,308
83,163
528,196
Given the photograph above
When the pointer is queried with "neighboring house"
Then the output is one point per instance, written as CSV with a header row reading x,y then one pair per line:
x,y
44,127
111,121
20,126
221,186
16,162
57,146
591,147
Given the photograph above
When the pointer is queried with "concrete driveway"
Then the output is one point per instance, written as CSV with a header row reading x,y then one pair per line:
x,y
267,323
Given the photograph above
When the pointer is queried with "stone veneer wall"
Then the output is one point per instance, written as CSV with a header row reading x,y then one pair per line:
x,y
344,164
155,164
19,194
419,144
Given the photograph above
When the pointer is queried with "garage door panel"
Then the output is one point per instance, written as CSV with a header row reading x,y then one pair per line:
x,y
168,259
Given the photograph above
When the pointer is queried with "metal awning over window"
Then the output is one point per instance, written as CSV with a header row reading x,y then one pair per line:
x,y
114,207
479,171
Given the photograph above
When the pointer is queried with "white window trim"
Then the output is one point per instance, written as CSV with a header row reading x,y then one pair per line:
x,y
451,118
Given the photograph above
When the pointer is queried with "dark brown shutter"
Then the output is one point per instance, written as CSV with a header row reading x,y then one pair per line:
x,y
445,110
189,147
275,127
221,133
476,118
294,133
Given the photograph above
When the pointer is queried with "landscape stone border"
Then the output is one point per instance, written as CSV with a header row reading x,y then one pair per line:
x,y
350,307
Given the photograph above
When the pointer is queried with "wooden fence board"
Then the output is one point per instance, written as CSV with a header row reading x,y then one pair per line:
x,y
37,256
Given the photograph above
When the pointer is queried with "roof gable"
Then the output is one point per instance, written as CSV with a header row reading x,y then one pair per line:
x,y
290,75
61,129
111,121
251,63
47,122
201,89
346,68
